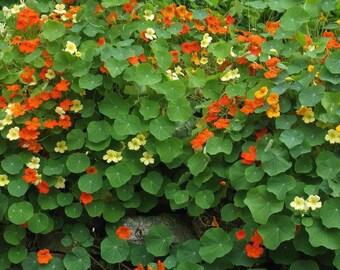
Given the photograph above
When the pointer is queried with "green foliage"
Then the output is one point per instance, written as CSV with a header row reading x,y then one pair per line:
x,y
227,111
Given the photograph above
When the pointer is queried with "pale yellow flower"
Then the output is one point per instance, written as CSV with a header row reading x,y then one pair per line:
x,y
60,182
71,47
3,180
230,75
50,74
77,106
332,136
220,60
39,179
150,34
308,117
313,202
112,156
78,54
61,147
148,15
141,138
34,163
13,134
204,60
134,144
147,158
2,125
298,203
59,111
59,9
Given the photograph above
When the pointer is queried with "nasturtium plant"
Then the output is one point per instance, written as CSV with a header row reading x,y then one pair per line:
x,y
222,116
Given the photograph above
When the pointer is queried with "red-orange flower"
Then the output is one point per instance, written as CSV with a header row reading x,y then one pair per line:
x,y
44,256
271,27
91,170
101,42
28,134
86,198
30,175
33,125
261,133
62,86
27,75
160,265
123,232
29,46
240,234
201,138
250,156
222,123
43,187
254,251
139,267
214,222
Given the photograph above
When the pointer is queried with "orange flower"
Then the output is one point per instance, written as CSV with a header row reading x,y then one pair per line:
x,y
142,58
260,133
248,107
43,187
214,222
33,103
272,62
128,7
101,42
17,109
29,46
44,256
16,40
254,251
262,92
49,123
27,75
91,170
62,86
86,198
201,138
273,99
64,122
33,125
250,156
123,232
229,19
133,60
240,234
185,29
256,238
3,102
68,2
271,27
222,123
30,175
27,17
66,104
139,267
28,134
160,265
273,111
31,145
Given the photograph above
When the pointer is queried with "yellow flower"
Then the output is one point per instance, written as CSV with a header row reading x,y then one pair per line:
x,y
308,117
61,147
273,99
112,156
231,74
220,60
60,182
313,202
34,163
141,138
148,15
13,134
147,158
333,136
134,144
262,92
78,54
310,68
77,106
2,125
302,110
273,111
7,120
71,47
150,33
204,60
60,9
298,203
50,74
59,111
3,180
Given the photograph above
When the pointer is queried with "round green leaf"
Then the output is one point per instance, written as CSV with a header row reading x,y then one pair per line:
x,y
327,165
118,175
181,196
64,199
55,264
217,145
197,163
140,255
280,185
115,67
78,259
204,199
80,232
38,223
293,19
254,174
77,162
114,249
125,192
54,167
48,201
113,211
19,213
126,124
98,131
304,264
149,108
275,161
143,74
75,139
17,254
169,149
189,265
17,188
214,243
262,204
164,59
90,81
277,230
152,182
4,261
237,176
311,96
291,137
172,89
112,105
74,210
53,30
158,240
90,183
179,110
13,234
189,252
333,62
162,128
336,261
322,236
12,164
330,213
95,209
230,212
